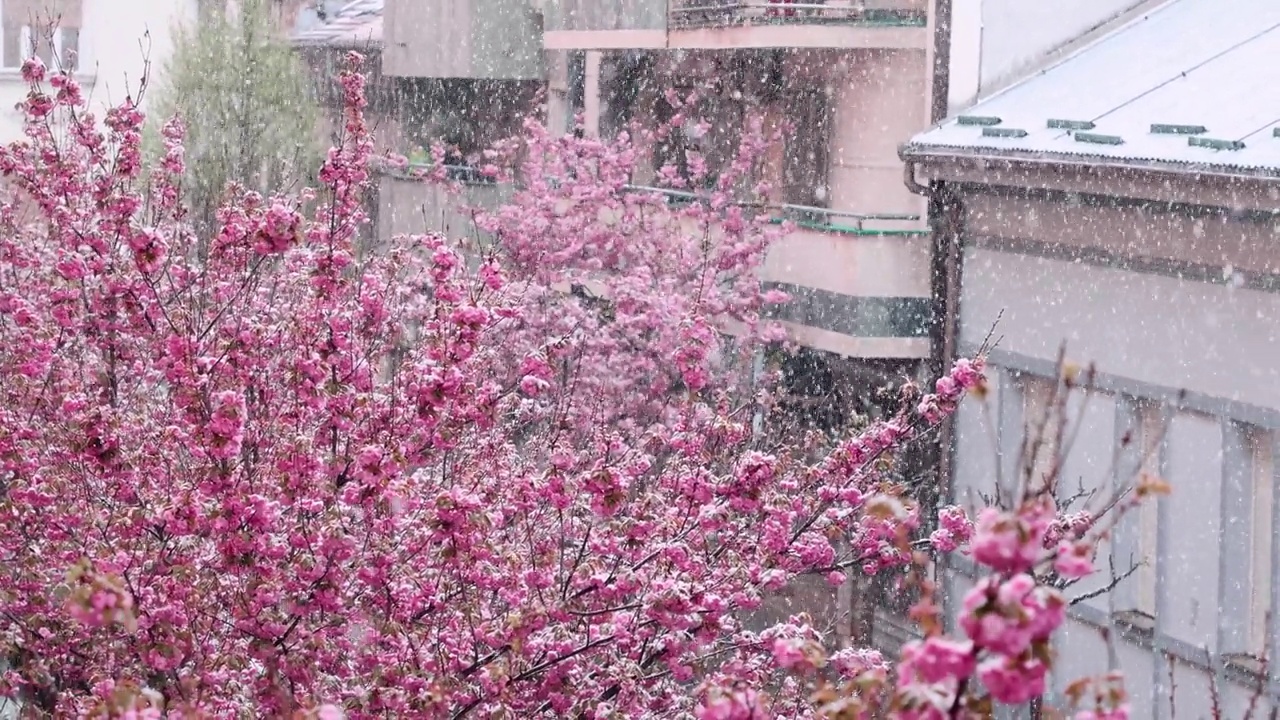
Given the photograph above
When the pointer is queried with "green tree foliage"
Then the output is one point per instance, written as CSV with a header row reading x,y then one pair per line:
x,y
247,101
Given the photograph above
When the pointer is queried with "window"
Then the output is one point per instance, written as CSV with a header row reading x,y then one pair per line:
x,y
1041,414
48,29
1260,448
1134,600
805,164
1248,497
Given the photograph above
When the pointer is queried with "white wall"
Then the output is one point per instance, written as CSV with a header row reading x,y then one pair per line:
x,y
965,75
1087,468
116,37
1150,335
1207,338
122,34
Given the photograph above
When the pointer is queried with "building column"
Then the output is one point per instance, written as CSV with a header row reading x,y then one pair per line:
x,y
1126,538
1011,428
1234,556
591,100
559,112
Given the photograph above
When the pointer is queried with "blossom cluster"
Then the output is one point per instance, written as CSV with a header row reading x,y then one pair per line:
x,y
1007,618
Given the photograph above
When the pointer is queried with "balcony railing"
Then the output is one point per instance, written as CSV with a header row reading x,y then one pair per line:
x,y
721,13
597,15
407,204
483,192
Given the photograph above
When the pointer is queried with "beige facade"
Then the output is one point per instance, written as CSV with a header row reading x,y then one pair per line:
x,y
476,39
1121,203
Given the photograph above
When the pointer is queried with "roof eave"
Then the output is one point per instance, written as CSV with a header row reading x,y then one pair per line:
x,y
1120,177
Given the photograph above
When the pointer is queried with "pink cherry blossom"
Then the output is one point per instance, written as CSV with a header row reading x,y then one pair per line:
x,y
1074,559
1013,680
1008,542
936,660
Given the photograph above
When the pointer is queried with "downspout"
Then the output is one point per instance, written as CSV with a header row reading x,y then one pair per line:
x,y
946,214
945,219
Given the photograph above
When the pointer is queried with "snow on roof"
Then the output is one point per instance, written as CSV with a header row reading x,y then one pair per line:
x,y
1192,82
356,24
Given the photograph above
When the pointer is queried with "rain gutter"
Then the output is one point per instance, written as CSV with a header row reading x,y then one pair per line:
x,y
973,156
1242,190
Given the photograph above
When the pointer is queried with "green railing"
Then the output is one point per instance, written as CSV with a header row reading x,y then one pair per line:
x,y
806,216
579,15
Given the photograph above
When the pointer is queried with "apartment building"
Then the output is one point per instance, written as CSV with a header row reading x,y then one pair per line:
x,y
107,42
853,78
1124,201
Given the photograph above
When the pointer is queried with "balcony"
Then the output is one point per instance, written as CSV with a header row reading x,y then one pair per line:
x,y
836,24
720,13
407,205
604,25
859,282
733,24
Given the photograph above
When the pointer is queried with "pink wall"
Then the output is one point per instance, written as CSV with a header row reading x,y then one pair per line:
x,y
881,98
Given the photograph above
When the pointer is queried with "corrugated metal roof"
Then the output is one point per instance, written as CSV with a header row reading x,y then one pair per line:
x,y
1212,63
356,24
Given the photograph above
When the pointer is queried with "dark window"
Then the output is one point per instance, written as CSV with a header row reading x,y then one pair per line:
x,y
805,163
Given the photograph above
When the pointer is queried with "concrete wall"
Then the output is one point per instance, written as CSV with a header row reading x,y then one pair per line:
x,y
115,41
1212,339
855,295
1133,289
413,207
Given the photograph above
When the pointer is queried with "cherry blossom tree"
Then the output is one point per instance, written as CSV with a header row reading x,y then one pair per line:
x,y
265,473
